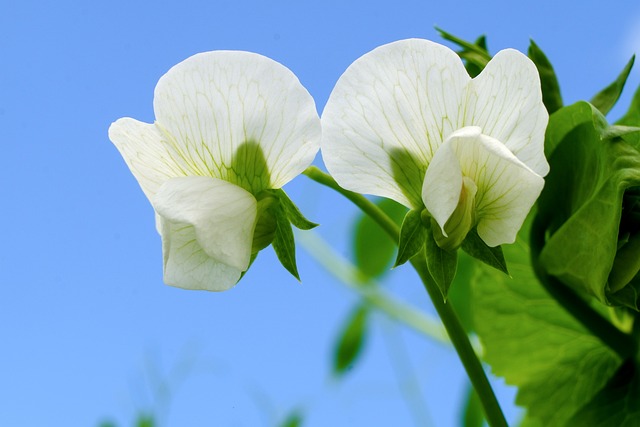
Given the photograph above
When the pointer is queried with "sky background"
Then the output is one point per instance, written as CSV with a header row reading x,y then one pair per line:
x,y
88,331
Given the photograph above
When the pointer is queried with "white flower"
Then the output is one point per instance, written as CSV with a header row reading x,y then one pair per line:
x,y
405,121
229,125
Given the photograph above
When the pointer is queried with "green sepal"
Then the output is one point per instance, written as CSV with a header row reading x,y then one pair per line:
x,y
477,248
442,264
549,82
293,213
412,236
607,97
351,340
283,241
253,258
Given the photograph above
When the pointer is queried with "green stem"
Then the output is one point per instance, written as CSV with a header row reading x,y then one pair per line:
x,y
452,324
623,344
352,277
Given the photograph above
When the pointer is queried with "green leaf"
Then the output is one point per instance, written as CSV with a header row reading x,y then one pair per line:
x,y
477,248
473,414
412,236
581,203
145,421
475,54
607,98
293,420
351,341
617,405
293,213
536,345
442,264
550,88
283,242
632,118
373,248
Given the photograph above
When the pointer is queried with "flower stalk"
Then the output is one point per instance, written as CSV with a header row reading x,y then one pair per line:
x,y
447,314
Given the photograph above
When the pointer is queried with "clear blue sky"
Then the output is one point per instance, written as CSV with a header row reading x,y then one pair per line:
x,y
88,332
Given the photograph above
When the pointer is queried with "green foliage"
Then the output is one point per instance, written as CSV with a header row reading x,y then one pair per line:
x,y
532,341
145,421
607,98
591,168
617,405
293,420
276,214
412,236
477,248
460,295
373,248
442,264
549,82
284,243
632,118
351,341
292,212
475,55
472,415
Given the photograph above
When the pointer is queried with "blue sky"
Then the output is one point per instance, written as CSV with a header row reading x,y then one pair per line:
x,y
88,331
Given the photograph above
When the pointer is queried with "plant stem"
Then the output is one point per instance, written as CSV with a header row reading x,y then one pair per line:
x,y
452,324
371,293
623,344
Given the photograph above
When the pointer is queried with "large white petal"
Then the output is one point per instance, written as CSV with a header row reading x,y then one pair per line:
x,y
507,188
505,100
222,216
213,103
387,115
150,159
187,265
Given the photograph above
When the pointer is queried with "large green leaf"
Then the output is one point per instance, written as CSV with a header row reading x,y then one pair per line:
x,y
581,205
617,405
530,340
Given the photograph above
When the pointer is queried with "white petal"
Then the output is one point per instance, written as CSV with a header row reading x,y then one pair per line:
x,y
443,180
213,103
187,265
222,216
507,188
150,160
388,114
505,100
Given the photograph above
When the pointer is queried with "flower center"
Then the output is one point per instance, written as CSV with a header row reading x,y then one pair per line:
x,y
462,220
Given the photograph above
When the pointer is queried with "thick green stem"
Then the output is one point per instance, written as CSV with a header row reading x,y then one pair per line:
x,y
623,344
446,312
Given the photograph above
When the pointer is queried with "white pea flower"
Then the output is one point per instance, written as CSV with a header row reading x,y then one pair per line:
x,y
405,121
229,125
